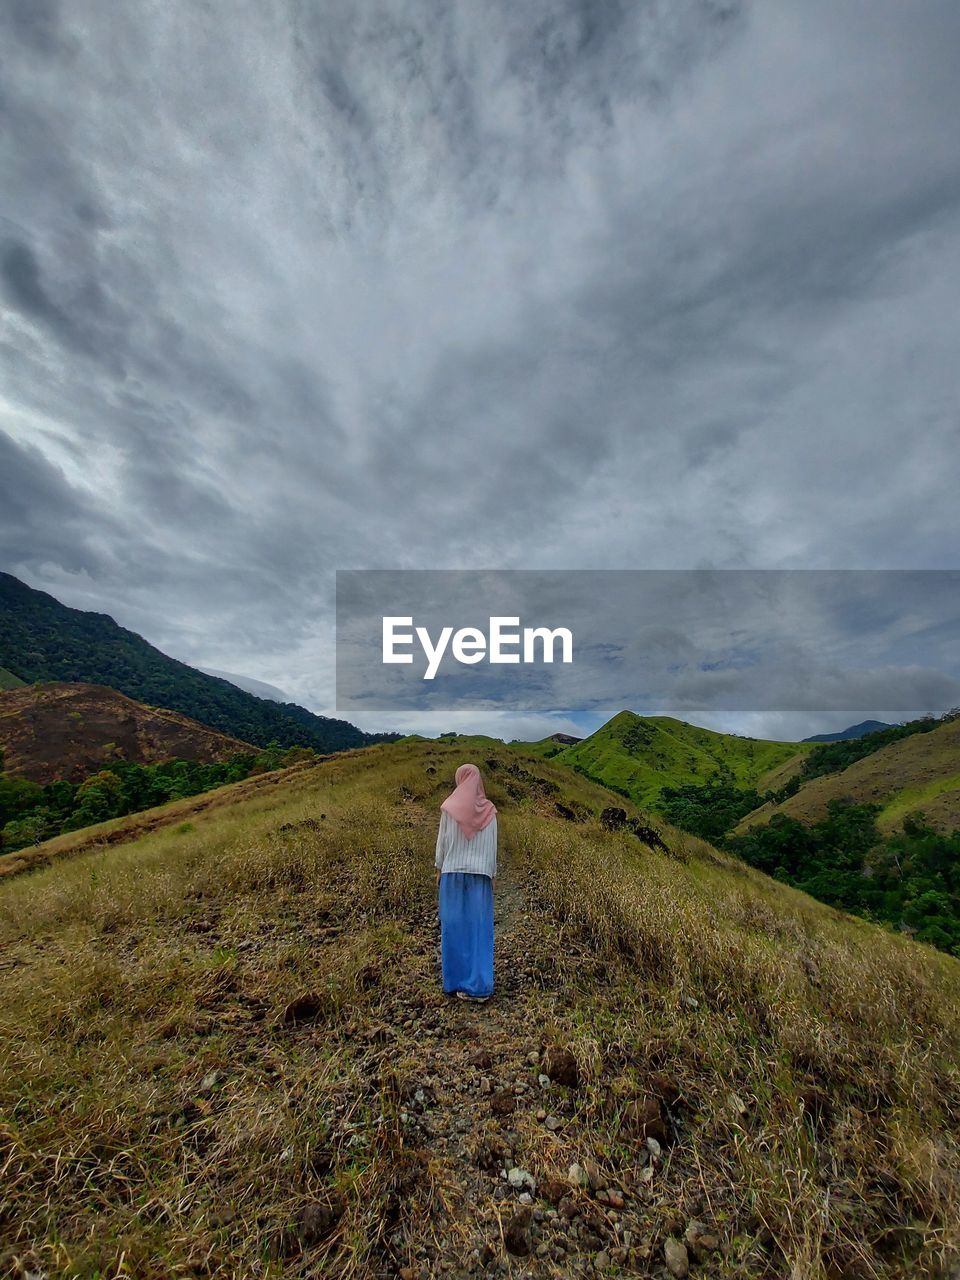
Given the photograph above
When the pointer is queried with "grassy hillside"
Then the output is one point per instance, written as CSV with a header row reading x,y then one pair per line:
x,y
224,1051
68,731
8,680
919,772
41,639
638,755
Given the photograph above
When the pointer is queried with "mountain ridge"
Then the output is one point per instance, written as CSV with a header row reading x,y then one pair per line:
x,y
43,639
852,731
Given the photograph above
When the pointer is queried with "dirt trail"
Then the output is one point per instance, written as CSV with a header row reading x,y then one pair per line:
x,y
481,1109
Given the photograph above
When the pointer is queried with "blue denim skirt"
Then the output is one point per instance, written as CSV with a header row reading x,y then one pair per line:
x,y
466,932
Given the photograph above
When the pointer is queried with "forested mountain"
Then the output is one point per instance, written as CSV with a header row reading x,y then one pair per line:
x,y
42,639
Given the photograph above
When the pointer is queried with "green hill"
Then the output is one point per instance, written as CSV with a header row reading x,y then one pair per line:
x,y
638,755
42,639
224,1050
918,772
8,680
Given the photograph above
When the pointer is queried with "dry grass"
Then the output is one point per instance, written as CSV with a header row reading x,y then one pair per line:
x,y
160,1117
818,1071
62,729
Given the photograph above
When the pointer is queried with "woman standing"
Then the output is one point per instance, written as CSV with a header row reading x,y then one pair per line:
x,y
466,865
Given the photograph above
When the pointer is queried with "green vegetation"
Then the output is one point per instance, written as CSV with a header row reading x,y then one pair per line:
x,y
709,810
9,681
852,731
637,756
911,799
886,861
910,880
41,639
30,813
547,748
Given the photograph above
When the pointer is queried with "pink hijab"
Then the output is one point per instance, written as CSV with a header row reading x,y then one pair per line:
x,y
467,803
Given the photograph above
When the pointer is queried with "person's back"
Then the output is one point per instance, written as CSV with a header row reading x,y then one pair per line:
x,y
466,862
478,854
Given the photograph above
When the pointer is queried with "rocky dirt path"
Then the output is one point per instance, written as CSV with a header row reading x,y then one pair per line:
x,y
496,1108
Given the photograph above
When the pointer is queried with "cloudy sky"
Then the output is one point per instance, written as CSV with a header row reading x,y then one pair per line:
x,y
288,286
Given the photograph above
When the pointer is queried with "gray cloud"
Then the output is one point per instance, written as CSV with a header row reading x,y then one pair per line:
x,y
288,287
62,526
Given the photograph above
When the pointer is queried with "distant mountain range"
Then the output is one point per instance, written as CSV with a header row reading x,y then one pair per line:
x,y
259,688
42,639
854,731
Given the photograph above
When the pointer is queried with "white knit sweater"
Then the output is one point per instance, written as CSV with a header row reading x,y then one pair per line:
x,y
456,853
